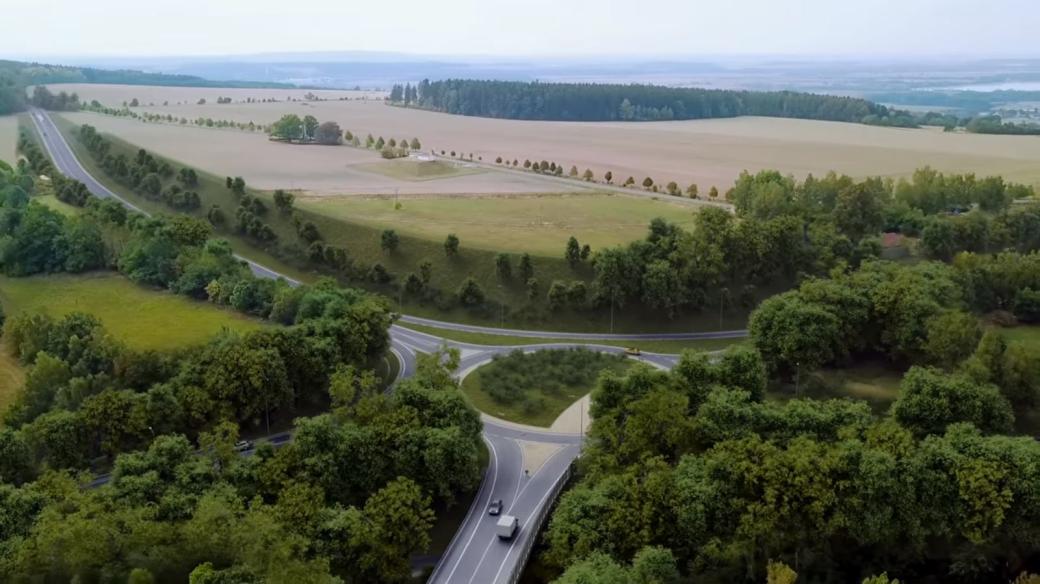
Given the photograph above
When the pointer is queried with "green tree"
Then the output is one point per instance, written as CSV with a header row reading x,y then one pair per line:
x,y
951,337
310,127
930,400
328,133
503,266
794,335
389,240
396,524
289,127
858,210
557,296
573,252
470,293
451,245
526,268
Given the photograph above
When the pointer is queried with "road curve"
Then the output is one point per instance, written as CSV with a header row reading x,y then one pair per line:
x,y
475,555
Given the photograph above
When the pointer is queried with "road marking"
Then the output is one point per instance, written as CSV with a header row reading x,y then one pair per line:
x,y
476,568
512,545
519,476
494,479
543,467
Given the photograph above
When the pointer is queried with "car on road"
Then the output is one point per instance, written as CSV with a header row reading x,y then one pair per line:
x,y
633,351
243,445
507,526
495,508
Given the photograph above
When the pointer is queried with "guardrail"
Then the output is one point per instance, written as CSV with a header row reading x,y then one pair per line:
x,y
534,526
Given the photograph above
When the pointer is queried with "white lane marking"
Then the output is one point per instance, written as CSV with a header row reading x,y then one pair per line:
x,y
473,533
519,475
512,545
476,569
543,467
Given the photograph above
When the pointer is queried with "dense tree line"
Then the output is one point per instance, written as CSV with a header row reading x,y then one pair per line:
x,y
691,476
62,101
995,125
609,102
350,499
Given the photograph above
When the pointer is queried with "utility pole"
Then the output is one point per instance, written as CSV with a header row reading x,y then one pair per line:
x,y
722,304
612,292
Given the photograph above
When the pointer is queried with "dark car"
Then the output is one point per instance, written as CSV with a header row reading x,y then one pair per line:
x,y
495,507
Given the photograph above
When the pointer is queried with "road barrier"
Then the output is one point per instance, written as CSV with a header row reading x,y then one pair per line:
x,y
534,525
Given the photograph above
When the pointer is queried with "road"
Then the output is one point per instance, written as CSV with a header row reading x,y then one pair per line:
x,y
475,555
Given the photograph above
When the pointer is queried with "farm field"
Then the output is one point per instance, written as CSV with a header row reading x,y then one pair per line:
x,y
8,138
115,95
142,318
320,170
539,225
708,152
363,243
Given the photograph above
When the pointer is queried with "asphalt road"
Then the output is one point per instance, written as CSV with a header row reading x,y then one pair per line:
x,y
475,555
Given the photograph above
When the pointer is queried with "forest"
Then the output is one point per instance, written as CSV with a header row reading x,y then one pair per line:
x,y
350,499
612,102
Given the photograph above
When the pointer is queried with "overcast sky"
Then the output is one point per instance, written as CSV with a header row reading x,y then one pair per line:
x,y
524,27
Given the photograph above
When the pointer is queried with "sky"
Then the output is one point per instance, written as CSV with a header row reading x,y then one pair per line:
x,y
650,28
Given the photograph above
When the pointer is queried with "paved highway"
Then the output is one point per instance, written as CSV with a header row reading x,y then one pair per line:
x,y
475,555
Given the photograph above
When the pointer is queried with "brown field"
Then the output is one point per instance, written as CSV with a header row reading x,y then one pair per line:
x,y
708,152
319,170
115,95
8,138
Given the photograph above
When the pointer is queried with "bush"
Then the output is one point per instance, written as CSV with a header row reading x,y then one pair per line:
x,y
507,379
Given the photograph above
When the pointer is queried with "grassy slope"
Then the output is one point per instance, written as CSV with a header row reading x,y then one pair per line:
x,y
555,403
1029,335
414,170
144,319
363,242
539,225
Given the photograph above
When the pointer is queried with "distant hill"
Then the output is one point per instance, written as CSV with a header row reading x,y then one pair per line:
x,y
15,76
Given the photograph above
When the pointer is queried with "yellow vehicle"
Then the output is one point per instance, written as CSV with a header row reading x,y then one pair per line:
x,y
633,351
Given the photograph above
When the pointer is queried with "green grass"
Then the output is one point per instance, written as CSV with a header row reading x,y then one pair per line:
x,y
874,382
12,377
58,205
536,224
1028,335
648,346
553,404
142,318
416,170
362,242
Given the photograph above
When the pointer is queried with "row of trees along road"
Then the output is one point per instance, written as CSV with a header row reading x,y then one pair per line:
x,y
350,499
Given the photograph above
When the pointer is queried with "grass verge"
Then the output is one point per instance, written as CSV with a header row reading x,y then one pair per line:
x,y
142,318
419,170
674,347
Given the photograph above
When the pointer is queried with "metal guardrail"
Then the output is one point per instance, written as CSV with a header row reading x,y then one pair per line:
x,y
534,526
